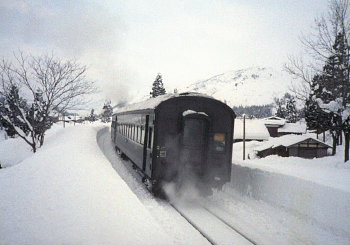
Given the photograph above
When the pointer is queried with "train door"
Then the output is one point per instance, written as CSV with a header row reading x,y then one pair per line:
x,y
193,147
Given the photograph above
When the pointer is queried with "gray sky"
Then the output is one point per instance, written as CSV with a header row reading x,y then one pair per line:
x,y
127,42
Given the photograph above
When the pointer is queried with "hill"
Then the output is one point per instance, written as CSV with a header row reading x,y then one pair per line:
x,y
250,86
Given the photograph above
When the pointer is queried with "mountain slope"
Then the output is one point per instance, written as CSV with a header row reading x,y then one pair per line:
x,y
251,86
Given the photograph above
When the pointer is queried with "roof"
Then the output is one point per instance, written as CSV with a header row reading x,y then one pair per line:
x,y
152,103
254,129
274,121
293,128
288,141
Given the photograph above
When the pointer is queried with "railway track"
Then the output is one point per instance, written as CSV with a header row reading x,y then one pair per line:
x,y
215,228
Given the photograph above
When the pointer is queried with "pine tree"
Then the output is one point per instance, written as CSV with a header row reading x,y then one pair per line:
x,y
107,112
157,87
14,112
92,116
292,113
333,92
280,106
286,108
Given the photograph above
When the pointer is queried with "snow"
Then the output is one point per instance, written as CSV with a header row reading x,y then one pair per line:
x,y
323,171
76,190
286,140
154,102
274,121
17,147
240,87
298,127
68,193
188,112
255,129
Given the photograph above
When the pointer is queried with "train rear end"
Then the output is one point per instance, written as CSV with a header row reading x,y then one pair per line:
x,y
198,145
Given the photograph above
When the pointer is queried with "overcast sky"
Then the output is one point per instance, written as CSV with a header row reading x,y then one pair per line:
x,y
126,43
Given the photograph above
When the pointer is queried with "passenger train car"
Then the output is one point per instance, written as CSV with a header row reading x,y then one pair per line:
x,y
179,138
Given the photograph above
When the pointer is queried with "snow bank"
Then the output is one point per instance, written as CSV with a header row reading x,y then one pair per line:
x,y
68,193
317,189
13,151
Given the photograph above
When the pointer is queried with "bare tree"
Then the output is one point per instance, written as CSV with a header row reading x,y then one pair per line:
x,y
49,84
318,46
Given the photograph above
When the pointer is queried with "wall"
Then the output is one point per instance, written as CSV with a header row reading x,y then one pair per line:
x,y
325,205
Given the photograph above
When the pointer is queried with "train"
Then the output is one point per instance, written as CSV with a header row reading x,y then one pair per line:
x,y
177,138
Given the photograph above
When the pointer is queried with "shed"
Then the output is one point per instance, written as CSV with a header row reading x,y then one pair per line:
x,y
294,145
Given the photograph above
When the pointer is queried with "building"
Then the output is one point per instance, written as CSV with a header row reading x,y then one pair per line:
x,y
294,145
273,124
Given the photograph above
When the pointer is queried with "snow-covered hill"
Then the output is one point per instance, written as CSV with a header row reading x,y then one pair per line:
x,y
250,86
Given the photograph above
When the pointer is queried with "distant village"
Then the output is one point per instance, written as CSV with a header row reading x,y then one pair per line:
x,y
280,137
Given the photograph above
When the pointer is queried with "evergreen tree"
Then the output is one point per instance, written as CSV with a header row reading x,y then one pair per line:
x,y
13,112
286,108
280,106
254,111
157,87
333,91
92,116
107,112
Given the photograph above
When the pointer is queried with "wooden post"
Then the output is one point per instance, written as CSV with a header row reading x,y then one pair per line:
x,y
324,136
244,137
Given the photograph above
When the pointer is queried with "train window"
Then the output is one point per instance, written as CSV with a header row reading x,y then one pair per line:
x,y
142,135
194,132
137,134
150,137
219,142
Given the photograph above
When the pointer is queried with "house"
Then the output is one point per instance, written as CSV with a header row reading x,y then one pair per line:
x,y
254,130
273,124
293,145
298,128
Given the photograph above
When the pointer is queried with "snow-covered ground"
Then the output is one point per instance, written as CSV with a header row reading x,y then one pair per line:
x,y
68,193
76,190
329,171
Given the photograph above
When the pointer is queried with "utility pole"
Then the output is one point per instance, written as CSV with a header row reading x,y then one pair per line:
x,y
243,136
64,121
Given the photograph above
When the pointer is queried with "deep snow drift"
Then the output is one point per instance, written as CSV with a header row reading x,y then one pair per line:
x,y
68,193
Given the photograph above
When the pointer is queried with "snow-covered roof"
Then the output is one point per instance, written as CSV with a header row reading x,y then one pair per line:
x,y
154,102
287,141
298,127
254,129
274,121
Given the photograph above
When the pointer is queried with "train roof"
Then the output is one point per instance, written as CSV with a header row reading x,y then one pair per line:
x,y
152,103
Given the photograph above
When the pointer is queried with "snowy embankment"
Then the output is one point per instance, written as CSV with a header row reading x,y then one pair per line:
x,y
52,197
316,189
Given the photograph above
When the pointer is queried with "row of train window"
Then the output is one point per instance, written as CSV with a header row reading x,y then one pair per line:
x,y
136,133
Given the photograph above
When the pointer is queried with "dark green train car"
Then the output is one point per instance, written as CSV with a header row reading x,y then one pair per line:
x,y
181,138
